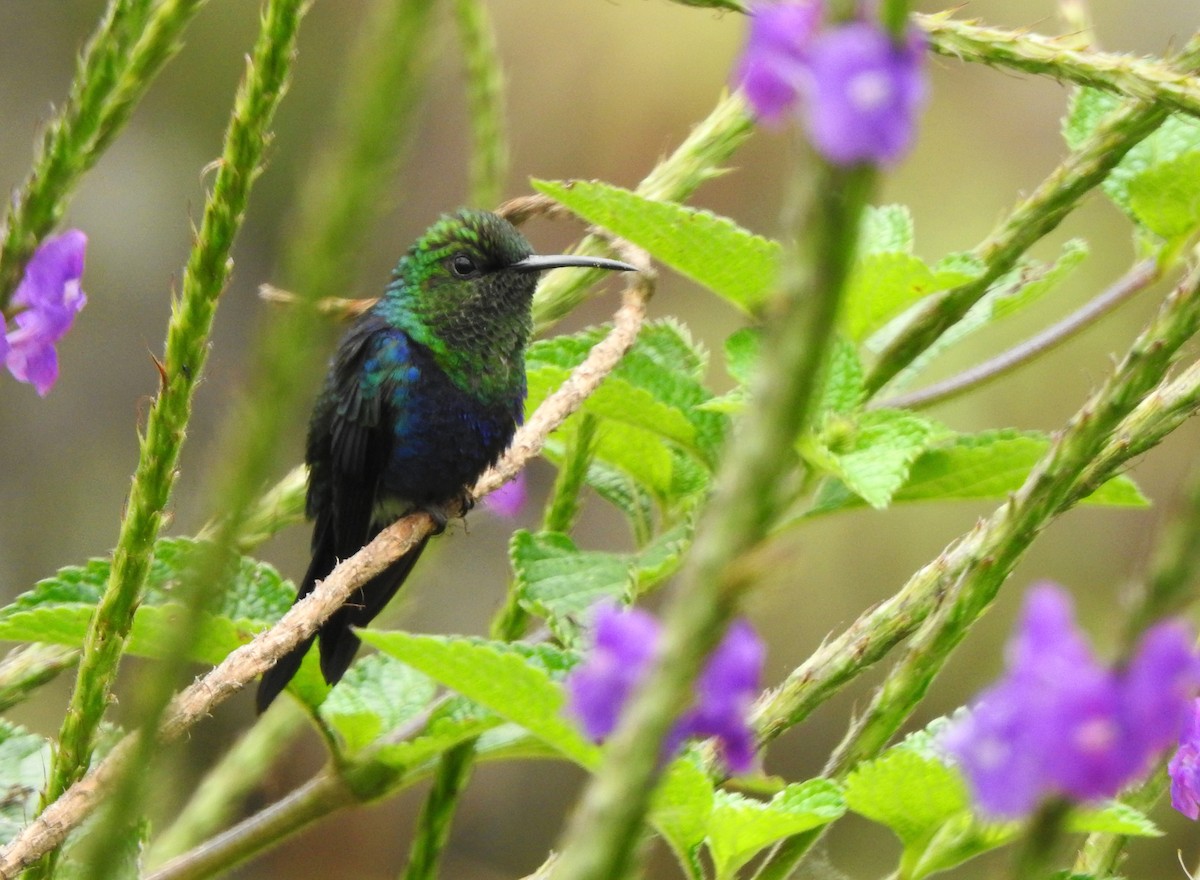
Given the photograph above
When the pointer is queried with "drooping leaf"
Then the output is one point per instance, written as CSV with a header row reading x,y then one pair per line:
x,y
682,807
713,251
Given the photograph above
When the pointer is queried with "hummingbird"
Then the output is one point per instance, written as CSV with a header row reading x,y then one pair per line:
x,y
423,394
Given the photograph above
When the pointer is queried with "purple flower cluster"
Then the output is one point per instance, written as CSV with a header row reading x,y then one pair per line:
x,y
48,298
1059,723
1184,767
625,643
856,89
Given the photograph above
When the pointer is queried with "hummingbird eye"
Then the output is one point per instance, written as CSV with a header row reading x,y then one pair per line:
x,y
463,266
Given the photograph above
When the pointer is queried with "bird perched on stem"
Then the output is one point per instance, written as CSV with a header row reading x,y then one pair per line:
x,y
423,395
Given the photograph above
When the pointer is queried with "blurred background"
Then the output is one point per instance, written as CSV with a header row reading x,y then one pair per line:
x,y
598,89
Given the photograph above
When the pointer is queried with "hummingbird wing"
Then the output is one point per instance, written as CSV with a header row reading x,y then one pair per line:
x,y
350,437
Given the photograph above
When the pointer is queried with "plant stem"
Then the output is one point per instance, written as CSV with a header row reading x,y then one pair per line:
x,y
1138,278
697,159
485,103
1033,218
132,42
28,667
1152,81
604,832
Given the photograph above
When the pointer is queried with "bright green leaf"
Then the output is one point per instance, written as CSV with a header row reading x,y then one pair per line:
x,y
713,251
1178,135
910,793
740,827
377,695
1113,817
873,452
1165,198
682,806
886,229
510,682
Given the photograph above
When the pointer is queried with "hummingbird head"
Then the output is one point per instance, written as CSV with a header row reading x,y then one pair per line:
x,y
464,289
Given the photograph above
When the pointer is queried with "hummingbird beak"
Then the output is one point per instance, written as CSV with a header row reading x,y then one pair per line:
x,y
538,263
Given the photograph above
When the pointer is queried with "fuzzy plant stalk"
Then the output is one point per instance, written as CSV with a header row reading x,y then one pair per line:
x,y
880,629
130,45
224,788
341,200
1033,218
986,562
485,103
186,350
699,158
1142,79
601,837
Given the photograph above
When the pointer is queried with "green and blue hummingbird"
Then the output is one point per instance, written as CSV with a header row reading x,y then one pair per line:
x,y
423,394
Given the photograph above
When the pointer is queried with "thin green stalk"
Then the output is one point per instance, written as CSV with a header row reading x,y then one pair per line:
x,y
228,783
1035,854
205,277
28,667
1138,278
485,103
839,660
433,828
1143,79
987,561
1033,218
603,834
341,198
132,42
697,159
563,507
942,600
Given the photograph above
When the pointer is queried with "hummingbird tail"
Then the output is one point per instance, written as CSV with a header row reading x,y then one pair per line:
x,y
276,678
338,642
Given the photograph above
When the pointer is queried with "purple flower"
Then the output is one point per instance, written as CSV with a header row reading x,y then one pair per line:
x,y
773,69
49,297
1058,723
1184,767
856,89
624,645
508,500
866,91
725,691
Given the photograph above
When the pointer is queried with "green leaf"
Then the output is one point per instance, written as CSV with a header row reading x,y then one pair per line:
x,y
713,251
873,452
454,722
1113,817
741,353
1180,134
844,388
884,284
1165,198
740,827
1013,291
886,229
656,387
990,464
377,695
557,581
24,757
910,793
511,682
682,807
